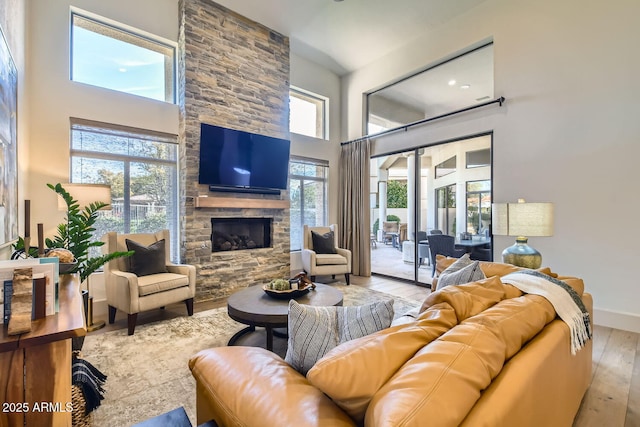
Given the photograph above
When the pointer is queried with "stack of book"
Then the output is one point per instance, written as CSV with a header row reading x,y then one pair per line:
x,y
45,280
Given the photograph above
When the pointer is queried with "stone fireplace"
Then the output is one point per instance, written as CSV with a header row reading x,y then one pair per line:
x,y
236,234
234,73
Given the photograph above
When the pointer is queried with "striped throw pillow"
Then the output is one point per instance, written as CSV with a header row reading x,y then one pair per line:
x,y
313,331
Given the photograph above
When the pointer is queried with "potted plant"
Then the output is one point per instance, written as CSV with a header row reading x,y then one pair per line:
x,y
75,235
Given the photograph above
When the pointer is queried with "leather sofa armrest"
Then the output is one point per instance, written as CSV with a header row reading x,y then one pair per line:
x,y
248,386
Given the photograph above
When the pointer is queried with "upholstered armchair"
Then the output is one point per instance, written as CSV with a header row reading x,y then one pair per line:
x,y
147,280
324,257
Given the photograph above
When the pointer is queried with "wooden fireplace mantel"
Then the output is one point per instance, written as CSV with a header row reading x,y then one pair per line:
x,y
235,202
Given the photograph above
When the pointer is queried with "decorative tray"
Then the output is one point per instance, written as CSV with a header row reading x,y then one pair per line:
x,y
286,294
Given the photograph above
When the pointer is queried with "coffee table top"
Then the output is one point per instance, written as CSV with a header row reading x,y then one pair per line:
x,y
252,306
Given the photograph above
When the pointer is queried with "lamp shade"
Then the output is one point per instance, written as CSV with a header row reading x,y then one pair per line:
x,y
522,219
86,194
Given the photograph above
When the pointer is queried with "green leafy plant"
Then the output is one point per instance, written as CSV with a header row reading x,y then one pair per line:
x,y
76,233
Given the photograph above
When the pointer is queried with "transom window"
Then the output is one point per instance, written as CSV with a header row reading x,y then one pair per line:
x,y
123,59
141,168
308,180
308,113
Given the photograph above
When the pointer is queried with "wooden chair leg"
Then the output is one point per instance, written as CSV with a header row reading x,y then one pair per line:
x,y
112,315
189,304
131,322
346,276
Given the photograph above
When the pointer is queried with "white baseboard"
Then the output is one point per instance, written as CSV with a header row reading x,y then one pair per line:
x,y
614,319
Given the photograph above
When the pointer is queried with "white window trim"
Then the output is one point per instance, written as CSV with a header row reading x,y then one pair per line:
x,y
126,28
325,110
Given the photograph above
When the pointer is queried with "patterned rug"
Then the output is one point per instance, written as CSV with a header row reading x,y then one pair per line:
x,y
148,372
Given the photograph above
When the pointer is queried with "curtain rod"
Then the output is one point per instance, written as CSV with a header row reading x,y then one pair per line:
x,y
423,121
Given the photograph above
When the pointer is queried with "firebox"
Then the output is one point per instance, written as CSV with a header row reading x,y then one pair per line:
x,y
234,234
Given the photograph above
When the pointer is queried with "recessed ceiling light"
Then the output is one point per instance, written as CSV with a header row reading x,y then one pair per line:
x,y
465,86
452,82
122,70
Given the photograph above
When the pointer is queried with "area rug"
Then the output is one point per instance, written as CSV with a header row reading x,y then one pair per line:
x,y
148,372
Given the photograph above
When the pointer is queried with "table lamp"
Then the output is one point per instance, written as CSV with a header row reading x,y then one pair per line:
x,y
522,220
85,194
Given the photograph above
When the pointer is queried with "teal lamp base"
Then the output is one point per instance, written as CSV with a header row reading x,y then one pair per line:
x,y
522,255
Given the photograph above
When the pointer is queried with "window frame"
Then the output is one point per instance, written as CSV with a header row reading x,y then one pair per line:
x,y
171,82
301,179
479,194
322,110
173,220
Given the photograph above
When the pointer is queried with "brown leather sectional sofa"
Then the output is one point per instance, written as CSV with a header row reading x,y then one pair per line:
x,y
479,354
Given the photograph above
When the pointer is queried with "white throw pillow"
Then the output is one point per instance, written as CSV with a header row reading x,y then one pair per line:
x,y
313,331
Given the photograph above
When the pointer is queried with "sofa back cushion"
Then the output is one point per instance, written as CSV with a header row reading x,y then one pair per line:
x,y
452,371
352,373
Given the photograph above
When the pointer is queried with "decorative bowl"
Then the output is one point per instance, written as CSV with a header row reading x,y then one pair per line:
x,y
286,294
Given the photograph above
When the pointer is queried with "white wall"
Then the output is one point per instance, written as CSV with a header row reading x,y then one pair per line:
x,y
54,98
13,24
317,79
567,134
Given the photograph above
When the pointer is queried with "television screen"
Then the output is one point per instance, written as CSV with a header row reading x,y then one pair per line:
x,y
236,159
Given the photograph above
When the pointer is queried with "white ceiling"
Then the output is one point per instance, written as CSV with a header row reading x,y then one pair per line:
x,y
347,35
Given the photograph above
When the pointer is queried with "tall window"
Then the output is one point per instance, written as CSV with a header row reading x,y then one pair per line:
x,y
140,166
308,113
308,192
120,58
478,206
446,209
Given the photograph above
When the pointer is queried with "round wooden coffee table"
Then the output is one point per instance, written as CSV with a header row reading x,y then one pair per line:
x,y
253,307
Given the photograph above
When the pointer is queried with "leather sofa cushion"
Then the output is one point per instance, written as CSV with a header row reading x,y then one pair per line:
x,y
155,283
458,366
249,386
353,372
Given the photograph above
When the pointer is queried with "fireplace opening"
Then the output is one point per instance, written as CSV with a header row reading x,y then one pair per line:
x,y
234,234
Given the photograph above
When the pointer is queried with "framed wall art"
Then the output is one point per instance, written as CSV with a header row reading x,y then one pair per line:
x,y
8,145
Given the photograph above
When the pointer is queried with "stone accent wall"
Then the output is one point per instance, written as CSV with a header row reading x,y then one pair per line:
x,y
234,73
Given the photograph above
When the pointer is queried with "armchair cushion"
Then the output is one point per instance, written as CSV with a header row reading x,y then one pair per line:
x,y
330,259
147,260
323,243
154,283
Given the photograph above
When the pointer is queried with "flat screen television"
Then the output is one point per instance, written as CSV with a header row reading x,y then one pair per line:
x,y
233,160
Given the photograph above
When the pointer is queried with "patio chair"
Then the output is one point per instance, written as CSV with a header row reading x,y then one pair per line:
x,y
388,230
442,244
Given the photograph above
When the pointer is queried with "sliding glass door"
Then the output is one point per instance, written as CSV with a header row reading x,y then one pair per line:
x,y
415,193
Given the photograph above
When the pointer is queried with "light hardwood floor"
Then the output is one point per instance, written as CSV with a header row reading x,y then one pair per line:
x,y
613,399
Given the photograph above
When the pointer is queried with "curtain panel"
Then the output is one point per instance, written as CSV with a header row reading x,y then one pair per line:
x,y
353,212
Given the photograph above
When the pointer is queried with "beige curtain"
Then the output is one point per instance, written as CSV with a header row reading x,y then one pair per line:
x,y
354,212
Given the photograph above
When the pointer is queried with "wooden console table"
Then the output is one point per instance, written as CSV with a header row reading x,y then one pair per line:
x,y
35,367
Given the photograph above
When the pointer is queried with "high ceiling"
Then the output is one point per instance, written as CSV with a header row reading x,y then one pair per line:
x,y
347,35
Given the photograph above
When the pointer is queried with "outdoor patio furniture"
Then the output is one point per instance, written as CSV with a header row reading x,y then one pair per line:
x,y
389,227
442,244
